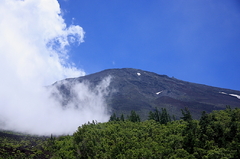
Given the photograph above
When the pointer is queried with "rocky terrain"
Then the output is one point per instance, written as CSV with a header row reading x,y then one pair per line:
x,y
143,91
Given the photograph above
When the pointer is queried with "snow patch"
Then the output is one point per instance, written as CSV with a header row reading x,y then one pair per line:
x,y
235,95
222,92
158,93
139,74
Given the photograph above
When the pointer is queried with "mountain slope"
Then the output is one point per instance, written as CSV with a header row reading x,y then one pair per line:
x,y
143,91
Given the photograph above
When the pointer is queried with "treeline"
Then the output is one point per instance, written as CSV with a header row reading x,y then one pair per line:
x,y
159,116
214,136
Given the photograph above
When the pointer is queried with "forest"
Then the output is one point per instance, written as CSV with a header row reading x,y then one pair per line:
x,y
214,136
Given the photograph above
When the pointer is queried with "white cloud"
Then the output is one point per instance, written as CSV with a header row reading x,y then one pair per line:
x,y
26,28
33,49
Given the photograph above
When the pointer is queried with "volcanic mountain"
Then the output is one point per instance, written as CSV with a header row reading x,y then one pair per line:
x,y
143,91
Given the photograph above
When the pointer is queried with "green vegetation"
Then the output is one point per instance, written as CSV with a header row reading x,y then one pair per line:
x,y
214,136
15,145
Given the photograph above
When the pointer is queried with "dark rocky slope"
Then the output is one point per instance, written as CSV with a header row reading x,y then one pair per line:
x,y
142,91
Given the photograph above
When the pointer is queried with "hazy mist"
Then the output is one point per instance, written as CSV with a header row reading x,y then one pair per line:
x,y
34,47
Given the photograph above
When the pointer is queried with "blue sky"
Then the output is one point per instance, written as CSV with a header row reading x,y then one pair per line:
x,y
196,41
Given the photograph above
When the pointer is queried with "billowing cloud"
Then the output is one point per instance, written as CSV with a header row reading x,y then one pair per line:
x,y
34,46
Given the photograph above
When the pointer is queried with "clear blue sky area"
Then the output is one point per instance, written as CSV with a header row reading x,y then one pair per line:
x,y
193,40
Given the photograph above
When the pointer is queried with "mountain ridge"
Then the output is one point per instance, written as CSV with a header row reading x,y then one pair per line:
x,y
143,91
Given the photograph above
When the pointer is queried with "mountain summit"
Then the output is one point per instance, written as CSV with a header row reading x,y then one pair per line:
x,y
143,91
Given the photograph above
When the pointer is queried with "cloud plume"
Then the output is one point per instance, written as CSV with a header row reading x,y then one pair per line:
x,y
34,45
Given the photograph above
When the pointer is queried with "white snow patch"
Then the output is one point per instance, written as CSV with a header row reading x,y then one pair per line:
x,y
234,95
223,92
139,74
238,96
159,92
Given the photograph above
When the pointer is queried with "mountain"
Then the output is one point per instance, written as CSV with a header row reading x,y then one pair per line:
x,y
143,91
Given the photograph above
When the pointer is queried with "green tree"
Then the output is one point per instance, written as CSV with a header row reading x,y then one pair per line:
x,y
113,117
162,117
134,117
190,132
204,126
122,118
186,114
